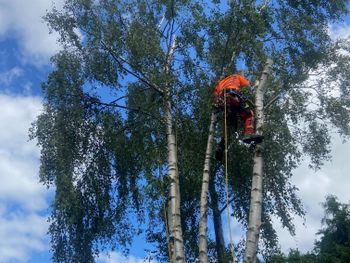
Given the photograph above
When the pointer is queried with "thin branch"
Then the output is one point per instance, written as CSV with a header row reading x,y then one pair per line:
x,y
119,60
143,75
311,87
180,23
115,105
161,21
165,28
272,38
272,100
225,206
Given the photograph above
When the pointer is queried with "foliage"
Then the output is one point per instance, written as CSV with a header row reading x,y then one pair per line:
x,y
297,123
294,256
334,243
102,133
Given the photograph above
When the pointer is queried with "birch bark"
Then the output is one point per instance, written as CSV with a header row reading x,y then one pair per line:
x,y
176,239
255,209
203,226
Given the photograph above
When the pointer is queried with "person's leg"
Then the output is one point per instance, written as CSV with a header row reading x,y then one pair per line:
x,y
231,122
249,135
248,122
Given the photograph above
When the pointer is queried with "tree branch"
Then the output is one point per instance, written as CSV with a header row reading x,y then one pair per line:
x,y
120,60
225,206
114,104
272,101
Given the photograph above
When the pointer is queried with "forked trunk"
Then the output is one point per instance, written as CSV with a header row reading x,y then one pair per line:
x,y
255,209
203,225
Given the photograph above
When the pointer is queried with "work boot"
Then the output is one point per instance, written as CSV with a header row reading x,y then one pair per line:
x,y
253,138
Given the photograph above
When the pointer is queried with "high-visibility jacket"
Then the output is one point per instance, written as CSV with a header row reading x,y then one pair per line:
x,y
234,81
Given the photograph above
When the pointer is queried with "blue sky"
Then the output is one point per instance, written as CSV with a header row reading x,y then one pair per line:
x,y
25,49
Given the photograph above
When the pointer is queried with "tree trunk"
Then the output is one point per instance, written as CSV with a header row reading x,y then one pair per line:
x,y
219,234
255,209
176,240
203,226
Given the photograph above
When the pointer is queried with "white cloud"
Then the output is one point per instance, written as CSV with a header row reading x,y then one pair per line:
x,y
7,77
18,156
21,234
23,200
314,187
339,31
17,113
116,257
22,20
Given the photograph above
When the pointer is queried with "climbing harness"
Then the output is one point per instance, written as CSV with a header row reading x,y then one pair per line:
x,y
238,104
235,98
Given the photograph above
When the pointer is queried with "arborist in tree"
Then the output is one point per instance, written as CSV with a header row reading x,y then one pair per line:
x,y
236,105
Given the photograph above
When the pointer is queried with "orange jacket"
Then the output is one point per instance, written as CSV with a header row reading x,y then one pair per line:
x,y
234,81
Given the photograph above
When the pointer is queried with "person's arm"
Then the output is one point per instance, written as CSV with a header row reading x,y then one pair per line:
x,y
243,81
218,88
246,89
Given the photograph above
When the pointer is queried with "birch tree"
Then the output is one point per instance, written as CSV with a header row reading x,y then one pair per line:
x,y
109,119
114,116
254,221
282,32
174,218
203,225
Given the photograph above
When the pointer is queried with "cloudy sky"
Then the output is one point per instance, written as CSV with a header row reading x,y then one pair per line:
x,y
25,49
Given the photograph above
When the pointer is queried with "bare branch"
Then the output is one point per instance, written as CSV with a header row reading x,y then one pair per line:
x,y
272,100
225,206
115,105
120,60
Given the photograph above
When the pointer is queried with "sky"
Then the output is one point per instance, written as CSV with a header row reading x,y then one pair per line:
x,y
25,50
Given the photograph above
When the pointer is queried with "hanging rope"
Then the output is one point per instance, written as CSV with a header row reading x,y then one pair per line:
x,y
226,177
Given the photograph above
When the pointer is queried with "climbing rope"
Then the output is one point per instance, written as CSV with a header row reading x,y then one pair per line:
x,y
226,177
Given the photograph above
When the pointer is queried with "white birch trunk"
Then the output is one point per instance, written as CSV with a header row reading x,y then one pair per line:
x,y
203,226
174,221
176,240
255,209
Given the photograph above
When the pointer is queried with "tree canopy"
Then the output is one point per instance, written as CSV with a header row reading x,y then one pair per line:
x,y
102,131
